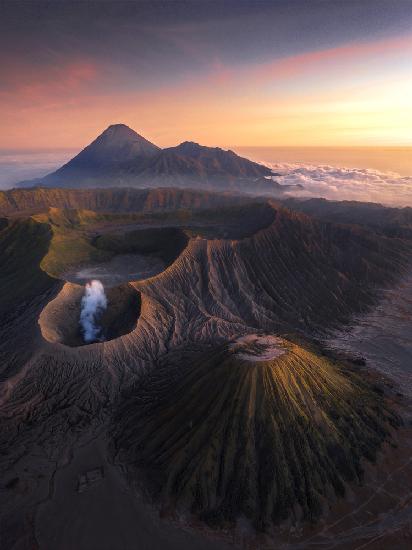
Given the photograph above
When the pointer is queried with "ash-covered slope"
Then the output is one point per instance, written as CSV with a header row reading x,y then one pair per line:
x,y
121,157
297,276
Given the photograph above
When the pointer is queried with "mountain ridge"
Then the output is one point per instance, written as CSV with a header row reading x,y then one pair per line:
x,y
120,157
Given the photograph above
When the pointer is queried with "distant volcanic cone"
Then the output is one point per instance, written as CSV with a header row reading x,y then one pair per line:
x,y
120,157
116,150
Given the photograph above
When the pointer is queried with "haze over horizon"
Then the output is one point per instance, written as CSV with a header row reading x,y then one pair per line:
x,y
120,156
281,73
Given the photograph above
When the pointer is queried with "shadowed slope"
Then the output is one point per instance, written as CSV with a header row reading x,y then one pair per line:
x,y
193,165
296,275
23,244
225,434
106,157
24,290
394,222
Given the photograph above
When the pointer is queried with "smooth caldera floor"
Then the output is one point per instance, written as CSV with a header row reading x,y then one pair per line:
x,y
120,269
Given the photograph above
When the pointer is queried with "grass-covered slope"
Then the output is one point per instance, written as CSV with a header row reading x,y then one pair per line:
x,y
74,241
81,237
70,244
224,433
23,244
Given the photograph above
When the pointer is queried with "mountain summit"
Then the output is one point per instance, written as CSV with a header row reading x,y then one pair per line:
x,y
108,155
121,157
122,141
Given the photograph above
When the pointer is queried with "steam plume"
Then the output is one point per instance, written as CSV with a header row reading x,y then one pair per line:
x,y
94,302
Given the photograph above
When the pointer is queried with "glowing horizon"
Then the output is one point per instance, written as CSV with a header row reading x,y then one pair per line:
x,y
184,80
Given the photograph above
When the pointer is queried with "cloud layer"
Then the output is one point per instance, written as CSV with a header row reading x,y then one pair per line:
x,y
16,166
359,184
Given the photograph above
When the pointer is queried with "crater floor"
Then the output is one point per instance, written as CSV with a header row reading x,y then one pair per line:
x,y
120,269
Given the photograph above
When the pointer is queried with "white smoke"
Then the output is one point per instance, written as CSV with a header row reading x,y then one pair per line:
x,y
333,183
94,302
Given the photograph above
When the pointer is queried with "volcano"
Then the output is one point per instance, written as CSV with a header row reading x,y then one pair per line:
x,y
115,150
121,157
112,154
269,444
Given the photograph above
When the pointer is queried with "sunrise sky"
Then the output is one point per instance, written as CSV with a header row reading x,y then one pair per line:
x,y
284,72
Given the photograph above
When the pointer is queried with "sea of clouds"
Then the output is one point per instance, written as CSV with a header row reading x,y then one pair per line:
x,y
16,166
359,184
317,180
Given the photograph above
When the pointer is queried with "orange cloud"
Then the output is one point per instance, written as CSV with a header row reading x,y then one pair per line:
x,y
295,65
68,104
35,84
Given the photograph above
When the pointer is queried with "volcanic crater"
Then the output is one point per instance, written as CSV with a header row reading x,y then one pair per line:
x,y
134,255
59,320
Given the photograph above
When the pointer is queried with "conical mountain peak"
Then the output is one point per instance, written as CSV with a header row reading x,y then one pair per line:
x,y
121,135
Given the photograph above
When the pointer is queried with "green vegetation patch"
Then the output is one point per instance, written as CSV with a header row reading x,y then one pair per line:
x,y
166,243
82,237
